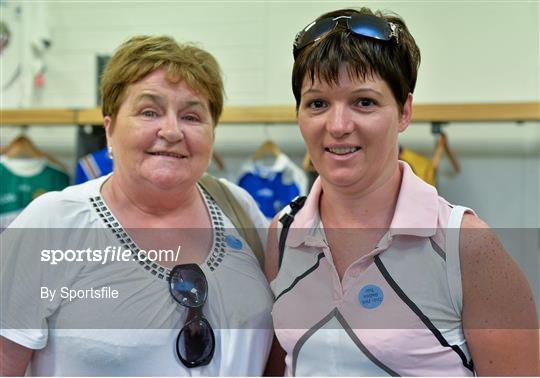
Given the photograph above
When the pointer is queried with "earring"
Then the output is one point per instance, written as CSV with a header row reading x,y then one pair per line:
x,y
109,152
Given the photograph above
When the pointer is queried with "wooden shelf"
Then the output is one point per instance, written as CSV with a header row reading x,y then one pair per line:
x,y
492,112
38,117
89,116
502,112
258,114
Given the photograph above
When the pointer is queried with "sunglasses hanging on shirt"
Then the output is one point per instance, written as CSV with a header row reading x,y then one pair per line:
x,y
195,343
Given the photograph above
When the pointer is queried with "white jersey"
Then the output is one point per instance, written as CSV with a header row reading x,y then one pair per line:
x,y
134,334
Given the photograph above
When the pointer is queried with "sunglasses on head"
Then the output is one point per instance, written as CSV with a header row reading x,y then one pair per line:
x,y
360,24
195,342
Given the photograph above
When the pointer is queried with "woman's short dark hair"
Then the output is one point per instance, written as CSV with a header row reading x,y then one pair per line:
x,y
394,61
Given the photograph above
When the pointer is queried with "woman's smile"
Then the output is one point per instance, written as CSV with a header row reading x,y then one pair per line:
x,y
168,154
342,153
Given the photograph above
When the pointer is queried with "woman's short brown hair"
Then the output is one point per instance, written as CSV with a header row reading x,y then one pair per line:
x,y
396,63
141,55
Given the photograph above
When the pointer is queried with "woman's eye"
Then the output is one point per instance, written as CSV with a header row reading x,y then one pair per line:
x,y
191,118
316,104
365,102
149,113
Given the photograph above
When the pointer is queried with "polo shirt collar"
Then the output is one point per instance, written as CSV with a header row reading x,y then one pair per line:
x,y
416,212
417,207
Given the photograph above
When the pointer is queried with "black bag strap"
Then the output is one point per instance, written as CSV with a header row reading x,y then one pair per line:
x,y
236,213
286,220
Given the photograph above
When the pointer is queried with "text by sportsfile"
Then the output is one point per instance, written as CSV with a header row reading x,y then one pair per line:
x,y
109,254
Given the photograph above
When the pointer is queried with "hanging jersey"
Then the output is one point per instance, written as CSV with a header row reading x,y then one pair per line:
x,y
421,166
93,165
273,184
395,312
22,181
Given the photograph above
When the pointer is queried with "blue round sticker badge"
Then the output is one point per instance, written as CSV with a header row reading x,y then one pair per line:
x,y
370,296
233,242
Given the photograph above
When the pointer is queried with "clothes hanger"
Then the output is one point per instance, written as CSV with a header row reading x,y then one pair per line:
x,y
218,161
23,147
267,148
444,146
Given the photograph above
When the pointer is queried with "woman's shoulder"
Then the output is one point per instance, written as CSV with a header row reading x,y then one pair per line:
x,y
451,214
476,237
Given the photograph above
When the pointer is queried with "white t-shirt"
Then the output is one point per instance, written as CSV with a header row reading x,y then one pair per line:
x,y
134,334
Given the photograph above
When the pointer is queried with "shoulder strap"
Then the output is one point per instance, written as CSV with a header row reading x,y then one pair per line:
x,y
453,268
236,213
286,220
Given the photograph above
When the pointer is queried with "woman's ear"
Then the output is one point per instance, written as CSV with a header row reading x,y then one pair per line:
x,y
108,123
406,114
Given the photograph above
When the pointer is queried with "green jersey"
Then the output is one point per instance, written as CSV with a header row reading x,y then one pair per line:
x,y
22,180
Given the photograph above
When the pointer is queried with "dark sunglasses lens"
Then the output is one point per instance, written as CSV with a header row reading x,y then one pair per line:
x,y
195,343
312,32
188,285
369,26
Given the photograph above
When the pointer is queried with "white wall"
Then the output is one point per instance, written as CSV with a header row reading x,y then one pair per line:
x,y
471,52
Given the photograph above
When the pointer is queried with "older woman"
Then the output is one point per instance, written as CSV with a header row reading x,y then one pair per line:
x,y
371,274
101,298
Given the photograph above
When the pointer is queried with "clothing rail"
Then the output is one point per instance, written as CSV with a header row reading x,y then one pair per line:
x,y
434,113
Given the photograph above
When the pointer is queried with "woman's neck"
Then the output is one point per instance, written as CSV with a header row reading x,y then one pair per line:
x,y
147,200
372,207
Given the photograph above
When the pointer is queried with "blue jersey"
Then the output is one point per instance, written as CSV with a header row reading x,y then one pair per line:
x,y
93,165
273,186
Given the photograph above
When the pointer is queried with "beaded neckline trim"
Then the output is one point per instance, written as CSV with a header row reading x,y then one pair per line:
x,y
215,256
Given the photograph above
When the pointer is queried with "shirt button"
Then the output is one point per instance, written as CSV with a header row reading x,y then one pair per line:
x,y
355,272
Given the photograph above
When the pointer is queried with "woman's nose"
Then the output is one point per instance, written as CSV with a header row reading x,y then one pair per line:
x,y
171,129
339,122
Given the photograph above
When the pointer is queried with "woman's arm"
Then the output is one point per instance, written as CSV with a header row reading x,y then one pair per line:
x,y
14,358
499,313
275,367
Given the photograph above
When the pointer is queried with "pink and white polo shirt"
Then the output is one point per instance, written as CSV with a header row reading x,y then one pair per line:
x,y
397,310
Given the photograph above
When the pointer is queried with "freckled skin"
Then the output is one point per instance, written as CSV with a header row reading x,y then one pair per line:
x,y
499,313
